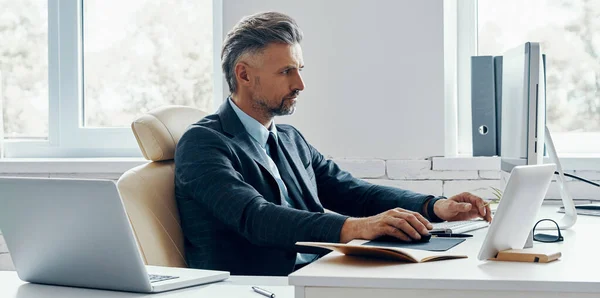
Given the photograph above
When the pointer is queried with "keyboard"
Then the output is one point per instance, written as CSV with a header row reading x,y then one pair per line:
x,y
587,209
456,227
157,278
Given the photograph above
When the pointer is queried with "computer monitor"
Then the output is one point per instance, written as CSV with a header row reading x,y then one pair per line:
x,y
524,134
523,107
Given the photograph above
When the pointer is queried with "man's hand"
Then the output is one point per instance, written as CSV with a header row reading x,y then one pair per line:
x,y
463,206
398,222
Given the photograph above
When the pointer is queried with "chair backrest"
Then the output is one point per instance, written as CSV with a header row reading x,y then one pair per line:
x,y
148,191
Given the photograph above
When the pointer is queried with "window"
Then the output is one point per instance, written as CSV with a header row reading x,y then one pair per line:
x,y
146,54
569,34
108,62
24,68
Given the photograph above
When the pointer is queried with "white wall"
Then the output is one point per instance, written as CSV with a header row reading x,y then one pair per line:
x,y
374,74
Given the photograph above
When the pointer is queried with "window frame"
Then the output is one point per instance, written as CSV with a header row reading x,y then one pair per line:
x,y
461,44
67,136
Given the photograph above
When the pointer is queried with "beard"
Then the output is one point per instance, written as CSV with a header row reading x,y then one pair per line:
x,y
287,105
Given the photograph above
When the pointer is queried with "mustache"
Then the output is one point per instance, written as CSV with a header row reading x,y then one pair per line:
x,y
293,94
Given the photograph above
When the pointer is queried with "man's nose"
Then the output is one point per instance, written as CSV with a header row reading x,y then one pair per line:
x,y
299,83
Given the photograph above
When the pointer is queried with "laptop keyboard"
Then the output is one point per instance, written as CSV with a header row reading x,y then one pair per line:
x,y
459,226
157,278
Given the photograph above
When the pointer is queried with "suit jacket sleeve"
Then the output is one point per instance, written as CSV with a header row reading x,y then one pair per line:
x,y
207,172
340,192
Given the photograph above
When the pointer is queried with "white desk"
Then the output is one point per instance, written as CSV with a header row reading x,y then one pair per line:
x,y
236,286
576,274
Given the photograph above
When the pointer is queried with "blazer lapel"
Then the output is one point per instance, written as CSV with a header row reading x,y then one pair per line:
x,y
233,126
308,193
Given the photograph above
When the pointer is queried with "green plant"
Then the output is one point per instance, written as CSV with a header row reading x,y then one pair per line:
x,y
497,194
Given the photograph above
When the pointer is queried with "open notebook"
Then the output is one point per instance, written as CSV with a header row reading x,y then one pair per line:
x,y
400,254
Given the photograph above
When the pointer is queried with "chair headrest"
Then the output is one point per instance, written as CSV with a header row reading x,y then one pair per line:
x,y
158,131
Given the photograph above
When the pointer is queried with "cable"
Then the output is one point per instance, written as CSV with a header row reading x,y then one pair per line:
x,y
580,179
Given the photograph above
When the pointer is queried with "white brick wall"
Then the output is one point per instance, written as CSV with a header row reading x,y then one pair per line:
x,y
112,176
427,187
466,164
481,188
578,190
374,168
421,170
456,175
589,175
489,175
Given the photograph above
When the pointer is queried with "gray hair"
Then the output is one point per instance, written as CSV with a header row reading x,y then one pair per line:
x,y
251,35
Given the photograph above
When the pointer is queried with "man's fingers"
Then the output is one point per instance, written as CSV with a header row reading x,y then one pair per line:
x,y
460,207
481,207
488,214
403,225
423,220
413,219
392,231
484,211
466,207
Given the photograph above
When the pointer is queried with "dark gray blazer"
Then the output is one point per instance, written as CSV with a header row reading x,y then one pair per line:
x,y
230,204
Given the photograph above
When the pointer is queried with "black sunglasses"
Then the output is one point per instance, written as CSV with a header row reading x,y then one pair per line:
x,y
548,238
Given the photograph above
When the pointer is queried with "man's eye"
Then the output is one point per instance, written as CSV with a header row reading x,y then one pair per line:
x,y
285,71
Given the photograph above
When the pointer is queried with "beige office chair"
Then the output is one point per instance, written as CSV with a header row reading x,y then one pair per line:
x,y
148,191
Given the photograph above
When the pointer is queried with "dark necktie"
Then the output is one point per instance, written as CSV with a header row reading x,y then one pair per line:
x,y
274,152
285,171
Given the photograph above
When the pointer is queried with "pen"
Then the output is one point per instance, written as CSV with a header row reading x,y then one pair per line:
x,y
450,235
263,292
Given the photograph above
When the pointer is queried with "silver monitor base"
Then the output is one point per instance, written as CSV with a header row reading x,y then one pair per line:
x,y
570,217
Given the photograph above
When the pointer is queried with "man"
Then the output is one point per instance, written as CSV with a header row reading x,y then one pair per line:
x,y
248,189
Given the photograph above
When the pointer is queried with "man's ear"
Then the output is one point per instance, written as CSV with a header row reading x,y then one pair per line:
x,y
241,73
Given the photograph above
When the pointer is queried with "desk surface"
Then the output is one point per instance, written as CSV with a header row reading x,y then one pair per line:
x,y
236,286
576,271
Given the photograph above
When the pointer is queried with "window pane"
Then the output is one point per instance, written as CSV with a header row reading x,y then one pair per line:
x,y
569,33
24,68
142,54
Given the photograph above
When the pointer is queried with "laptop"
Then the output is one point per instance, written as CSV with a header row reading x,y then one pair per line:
x,y
75,232
516,214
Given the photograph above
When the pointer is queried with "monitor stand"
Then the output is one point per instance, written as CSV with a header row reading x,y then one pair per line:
x,y
570,217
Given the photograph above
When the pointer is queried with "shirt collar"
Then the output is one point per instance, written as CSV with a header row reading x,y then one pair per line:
x,y
256,130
